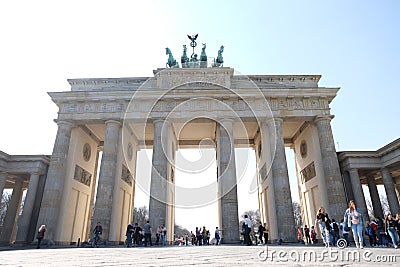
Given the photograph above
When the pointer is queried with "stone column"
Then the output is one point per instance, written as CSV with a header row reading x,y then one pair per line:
x,y
54,186
283,197
373,191
227,183
105,188
12,212
333,178
390,191
358,193
24,221
267,150
348,186
159,175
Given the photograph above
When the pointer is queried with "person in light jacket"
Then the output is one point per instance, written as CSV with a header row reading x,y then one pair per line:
x,y
354,219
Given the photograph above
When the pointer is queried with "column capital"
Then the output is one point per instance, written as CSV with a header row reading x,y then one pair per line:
x,y
353,170
221,120
161,120
277,119
69,124
323,117
113,121
65,122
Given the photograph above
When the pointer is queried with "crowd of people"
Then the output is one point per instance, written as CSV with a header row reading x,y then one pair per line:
x,y
381,232
138,236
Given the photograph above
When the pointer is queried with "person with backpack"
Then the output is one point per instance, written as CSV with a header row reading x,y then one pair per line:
x,y
345,232
374,230
335,232
380,231
368,232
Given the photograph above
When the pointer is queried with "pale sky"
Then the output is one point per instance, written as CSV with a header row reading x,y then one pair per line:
x,y
352,44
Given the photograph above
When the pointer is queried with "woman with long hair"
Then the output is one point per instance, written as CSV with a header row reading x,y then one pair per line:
x,y
323,220
390,228
354,219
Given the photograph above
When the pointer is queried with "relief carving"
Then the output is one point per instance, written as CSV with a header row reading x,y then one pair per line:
x,y
83,176
308,173
126,175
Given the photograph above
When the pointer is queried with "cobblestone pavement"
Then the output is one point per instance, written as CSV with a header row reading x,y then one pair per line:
x,y
202,256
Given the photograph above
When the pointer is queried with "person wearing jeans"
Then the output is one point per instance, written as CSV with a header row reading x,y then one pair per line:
x,y
163,235
353,218
390,227
323,220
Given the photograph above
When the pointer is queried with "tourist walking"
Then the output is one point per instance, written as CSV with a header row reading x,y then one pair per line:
x,y
158,234
299,239
40,235
260,233
147,234
193,236
199,238
354,219
266,230
217,236
307,234
390,228
129,233
204,236
98,231
137,236
163,235
248,224
323,220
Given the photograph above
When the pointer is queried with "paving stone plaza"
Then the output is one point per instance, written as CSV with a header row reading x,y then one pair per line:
x,y
201,256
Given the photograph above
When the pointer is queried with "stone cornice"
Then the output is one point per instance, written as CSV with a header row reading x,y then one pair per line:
x,y
21,158
115,96
389,147
174,77
392,146
370,159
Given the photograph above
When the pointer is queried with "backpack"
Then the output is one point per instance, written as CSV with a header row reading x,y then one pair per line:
x,y
368,230
335,227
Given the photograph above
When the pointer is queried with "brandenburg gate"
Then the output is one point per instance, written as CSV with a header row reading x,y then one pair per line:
x,y
197,104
